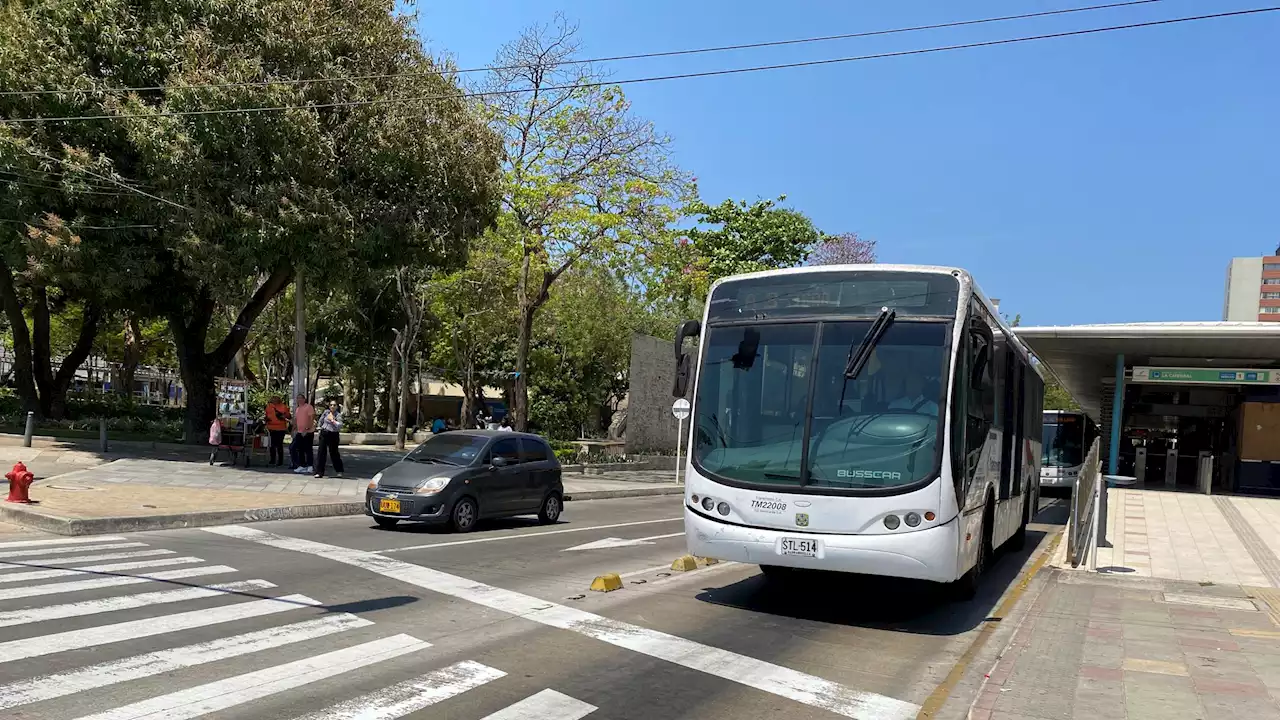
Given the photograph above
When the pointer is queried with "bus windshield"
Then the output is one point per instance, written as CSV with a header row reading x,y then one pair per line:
x,y
762,391
1063,442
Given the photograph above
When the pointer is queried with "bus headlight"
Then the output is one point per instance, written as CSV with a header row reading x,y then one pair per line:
x,y
912,519
723,508
892,522
708,504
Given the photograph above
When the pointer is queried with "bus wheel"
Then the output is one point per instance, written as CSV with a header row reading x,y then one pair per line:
x,y
966,588
1019,539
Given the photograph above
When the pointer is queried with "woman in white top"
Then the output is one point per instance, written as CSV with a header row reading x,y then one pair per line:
x,y
330,427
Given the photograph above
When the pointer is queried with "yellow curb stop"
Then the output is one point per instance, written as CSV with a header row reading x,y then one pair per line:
x,y
607,583
685,563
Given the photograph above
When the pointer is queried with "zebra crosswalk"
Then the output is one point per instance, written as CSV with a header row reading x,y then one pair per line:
x,y
215,643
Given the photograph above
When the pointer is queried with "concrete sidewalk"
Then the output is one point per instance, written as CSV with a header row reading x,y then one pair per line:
x,y
132,494
1102,646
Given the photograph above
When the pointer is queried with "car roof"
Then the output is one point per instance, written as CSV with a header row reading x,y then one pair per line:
x,y
497,433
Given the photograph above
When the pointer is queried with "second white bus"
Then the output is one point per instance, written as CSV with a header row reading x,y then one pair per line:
x,y
877,419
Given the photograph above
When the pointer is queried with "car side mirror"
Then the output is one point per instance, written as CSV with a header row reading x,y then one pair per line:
x,y
498,462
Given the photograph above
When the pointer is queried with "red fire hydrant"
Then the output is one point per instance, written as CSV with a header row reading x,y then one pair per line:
x,y
20,479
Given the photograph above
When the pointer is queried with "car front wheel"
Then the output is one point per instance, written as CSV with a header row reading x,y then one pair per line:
x,y
464,515
386,523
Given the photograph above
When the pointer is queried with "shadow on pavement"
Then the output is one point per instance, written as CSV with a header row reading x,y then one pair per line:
x,y
522,522
894,604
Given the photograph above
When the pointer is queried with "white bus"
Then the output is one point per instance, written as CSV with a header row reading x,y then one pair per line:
x,y
1067,437
876,419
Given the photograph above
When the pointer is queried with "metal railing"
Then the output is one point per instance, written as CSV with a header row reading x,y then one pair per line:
x,y
1086,499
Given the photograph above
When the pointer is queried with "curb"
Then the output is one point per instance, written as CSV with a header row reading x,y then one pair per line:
x,y
100,526
610,494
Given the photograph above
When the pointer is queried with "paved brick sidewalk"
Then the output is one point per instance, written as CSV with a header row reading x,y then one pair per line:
x,y
1101,647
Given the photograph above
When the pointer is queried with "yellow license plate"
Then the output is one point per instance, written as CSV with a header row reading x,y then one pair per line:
x,y
389,506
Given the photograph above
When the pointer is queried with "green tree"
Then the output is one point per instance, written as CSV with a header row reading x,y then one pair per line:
x,y
731,238
1056,397
585,178
390,165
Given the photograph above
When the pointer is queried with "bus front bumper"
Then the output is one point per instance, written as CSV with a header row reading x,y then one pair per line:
x,y
921,555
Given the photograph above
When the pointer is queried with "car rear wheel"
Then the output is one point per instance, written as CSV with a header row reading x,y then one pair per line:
x,y
550,511
464,515
386,523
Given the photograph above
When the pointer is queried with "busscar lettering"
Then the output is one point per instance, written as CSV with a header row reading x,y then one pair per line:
x,y
869,474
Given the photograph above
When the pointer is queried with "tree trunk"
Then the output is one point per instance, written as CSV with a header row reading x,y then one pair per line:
x,y
23,378
132,355
520,388
393,380
197,378
57,391
366,399
402,426
41,358
199,368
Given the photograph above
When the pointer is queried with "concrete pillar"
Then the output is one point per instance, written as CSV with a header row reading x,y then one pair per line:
x,y
1117,418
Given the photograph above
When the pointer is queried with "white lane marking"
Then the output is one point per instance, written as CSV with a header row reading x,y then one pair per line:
x,y
66,550
546,705
758,674
412,695
159,662
223,694
646,571
522,536
614,542
124,602
60,541
111,581
15,564
146,627
112,567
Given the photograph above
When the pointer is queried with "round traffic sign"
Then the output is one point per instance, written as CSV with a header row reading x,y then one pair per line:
x,y
680,408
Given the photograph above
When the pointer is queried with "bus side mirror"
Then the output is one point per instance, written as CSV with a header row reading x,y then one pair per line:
x,y
688,328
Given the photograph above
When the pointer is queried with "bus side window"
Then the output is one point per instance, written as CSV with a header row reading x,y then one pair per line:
x,y
980,405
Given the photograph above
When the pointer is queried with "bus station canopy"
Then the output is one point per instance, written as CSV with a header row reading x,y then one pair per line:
x,y
1083,357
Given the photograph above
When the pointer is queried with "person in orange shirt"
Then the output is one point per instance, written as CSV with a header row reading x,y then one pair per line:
x,y
277,426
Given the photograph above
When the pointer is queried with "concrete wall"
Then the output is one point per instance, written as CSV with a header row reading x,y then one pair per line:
x,y
650,425
1244,281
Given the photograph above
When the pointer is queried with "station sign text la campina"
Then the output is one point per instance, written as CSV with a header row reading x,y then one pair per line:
x,y
1206,376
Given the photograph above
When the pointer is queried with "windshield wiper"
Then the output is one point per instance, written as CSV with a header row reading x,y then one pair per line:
x,y
860,354
777,476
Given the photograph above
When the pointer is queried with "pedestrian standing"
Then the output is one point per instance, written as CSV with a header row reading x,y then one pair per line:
x,y
301,453
277,426
330,427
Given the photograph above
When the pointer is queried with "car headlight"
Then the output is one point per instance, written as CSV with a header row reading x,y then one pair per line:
x,y
433,486
373,482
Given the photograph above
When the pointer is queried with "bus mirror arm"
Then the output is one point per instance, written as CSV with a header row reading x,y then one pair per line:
x,y
688,328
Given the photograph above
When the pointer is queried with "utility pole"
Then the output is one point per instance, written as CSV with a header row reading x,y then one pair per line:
x,y
300,369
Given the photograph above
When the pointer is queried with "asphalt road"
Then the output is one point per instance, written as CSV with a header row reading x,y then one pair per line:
x,y
333,618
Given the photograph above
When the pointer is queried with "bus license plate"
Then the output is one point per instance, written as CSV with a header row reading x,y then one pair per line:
x,y
803,547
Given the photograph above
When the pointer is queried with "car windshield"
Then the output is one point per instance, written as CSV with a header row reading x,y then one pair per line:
x,y
449,448
1063,445
878,430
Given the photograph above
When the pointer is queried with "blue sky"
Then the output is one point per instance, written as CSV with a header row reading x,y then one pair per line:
x,y
1105,178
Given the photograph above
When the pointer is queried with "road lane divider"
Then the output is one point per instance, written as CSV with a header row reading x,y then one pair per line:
x,y
747,671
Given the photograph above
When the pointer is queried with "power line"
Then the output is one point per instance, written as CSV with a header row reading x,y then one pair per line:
x,y
612,58
80,227
651,79
59,187
111,180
